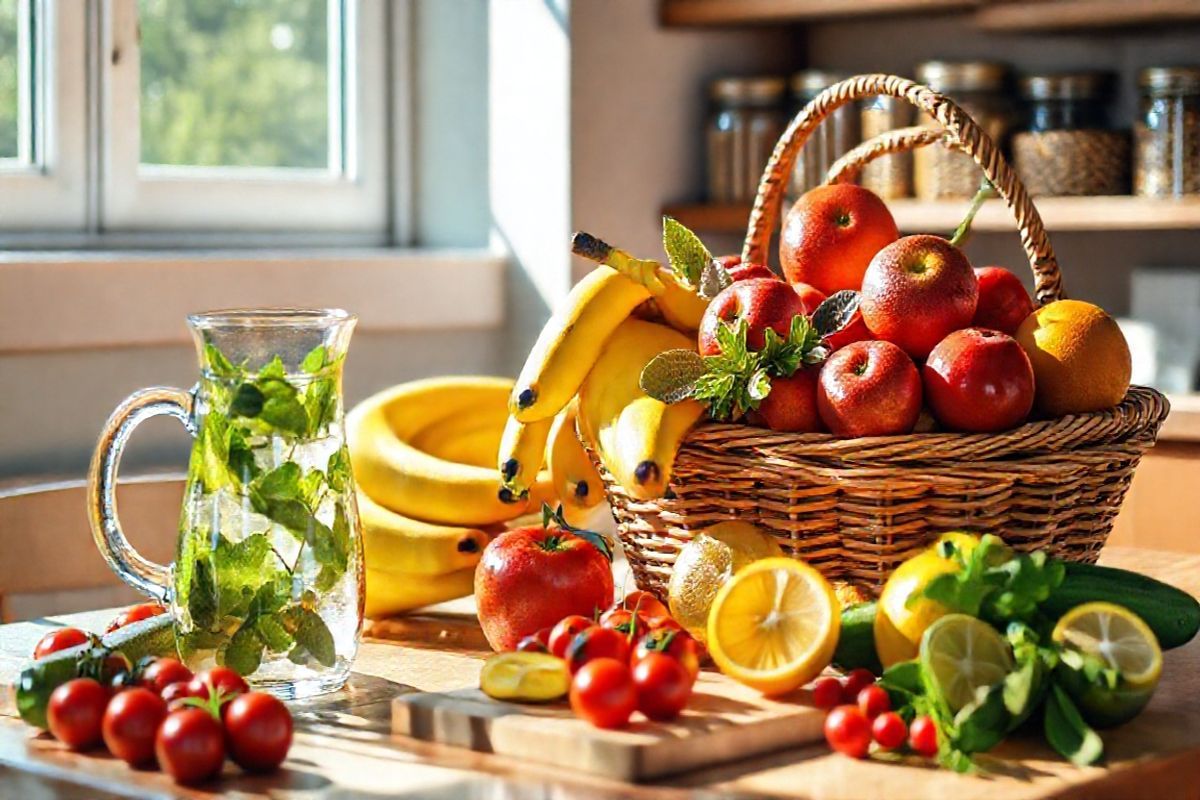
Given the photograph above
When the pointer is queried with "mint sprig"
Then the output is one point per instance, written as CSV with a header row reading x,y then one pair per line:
x,y
686,254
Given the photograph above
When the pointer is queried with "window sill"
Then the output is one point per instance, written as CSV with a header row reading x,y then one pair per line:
x,y
71,300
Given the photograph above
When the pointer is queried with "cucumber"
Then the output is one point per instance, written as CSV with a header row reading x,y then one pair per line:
x,y
1173,614
150,637
856,643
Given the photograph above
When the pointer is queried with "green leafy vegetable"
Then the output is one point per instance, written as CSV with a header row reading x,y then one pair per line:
x,y
1066,731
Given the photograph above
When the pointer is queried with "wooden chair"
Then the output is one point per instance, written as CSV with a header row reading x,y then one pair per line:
x,y
48,561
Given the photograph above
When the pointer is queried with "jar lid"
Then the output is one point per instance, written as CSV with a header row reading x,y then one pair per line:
x,y
811,82
962,76
1170,79
755,90
1066,86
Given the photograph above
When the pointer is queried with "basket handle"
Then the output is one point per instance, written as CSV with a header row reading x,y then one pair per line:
x,y
899,140
967,134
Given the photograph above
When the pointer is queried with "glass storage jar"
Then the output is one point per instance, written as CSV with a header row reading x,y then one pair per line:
x,y
746,121
978,88
1167,132
836,134
888,176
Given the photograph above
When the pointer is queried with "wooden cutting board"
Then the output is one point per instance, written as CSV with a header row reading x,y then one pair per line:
x,y
724,722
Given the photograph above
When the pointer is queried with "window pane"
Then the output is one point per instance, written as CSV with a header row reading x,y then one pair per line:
x,y
240,83
9,80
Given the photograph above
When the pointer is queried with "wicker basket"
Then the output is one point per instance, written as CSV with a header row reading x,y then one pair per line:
x,y
856,508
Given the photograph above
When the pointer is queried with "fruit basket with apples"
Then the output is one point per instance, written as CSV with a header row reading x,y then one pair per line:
x,y
883,394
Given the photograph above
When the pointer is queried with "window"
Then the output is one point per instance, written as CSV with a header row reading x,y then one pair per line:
x,y
217,118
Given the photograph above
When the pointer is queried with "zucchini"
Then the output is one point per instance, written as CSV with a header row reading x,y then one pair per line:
x,y
1173,614
856,643
150,637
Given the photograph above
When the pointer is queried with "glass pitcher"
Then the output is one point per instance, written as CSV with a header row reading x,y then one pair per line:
x,y
268,572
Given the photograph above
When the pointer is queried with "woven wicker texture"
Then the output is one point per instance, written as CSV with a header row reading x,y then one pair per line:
x,y
856,508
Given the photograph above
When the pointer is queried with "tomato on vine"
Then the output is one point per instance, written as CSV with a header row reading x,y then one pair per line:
x,y
663,686
602,692
60,639
190,745
135,614
130,724
258,728
76,711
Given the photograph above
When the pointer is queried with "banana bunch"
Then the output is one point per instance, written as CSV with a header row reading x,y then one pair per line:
x,y
594,348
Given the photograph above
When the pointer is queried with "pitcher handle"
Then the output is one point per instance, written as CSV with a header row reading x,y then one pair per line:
x,y
147,577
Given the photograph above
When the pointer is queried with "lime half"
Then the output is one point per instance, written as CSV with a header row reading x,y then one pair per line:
x,y
960,654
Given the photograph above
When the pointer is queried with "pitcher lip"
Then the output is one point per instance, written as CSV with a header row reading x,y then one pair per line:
x,y
268,317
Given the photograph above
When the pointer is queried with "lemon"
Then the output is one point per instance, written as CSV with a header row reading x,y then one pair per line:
x,y
1124,642
959,654
704,565
525,677
774,625
899,625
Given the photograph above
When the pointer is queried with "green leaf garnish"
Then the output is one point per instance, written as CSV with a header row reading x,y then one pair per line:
x,y
552,517
686,254
315,360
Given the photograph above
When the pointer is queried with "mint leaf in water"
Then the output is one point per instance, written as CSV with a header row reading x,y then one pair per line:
x,y
310,633
238,568
333,553
320,403
202,595
273,369
282,407
244,652
217,364
273,634
315,360
337,471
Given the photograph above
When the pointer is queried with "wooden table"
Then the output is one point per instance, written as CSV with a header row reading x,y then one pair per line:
x,y
344,749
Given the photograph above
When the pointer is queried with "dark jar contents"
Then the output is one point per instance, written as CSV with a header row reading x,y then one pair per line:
x,y
747,119
1167,132
1067,147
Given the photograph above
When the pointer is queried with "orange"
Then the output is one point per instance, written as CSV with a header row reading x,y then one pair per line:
x,y
831,234
1079,355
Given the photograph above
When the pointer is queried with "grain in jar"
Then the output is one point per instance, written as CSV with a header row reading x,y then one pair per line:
x,y
888,176
836,134
1167,132
747,119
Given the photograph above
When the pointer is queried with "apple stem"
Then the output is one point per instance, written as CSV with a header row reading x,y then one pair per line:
x,y
963,232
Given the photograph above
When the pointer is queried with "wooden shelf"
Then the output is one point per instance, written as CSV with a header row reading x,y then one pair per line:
x,y
708,13
1027,15
1059,214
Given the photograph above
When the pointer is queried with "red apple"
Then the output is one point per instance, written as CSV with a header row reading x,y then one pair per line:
x,y
979,380
1003,302
917,290
810,296
791,404
530,578
745,272
869,389
762,302
830,235
730,261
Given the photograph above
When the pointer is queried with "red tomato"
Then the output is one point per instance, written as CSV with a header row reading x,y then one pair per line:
x,y
663,686
629,624
645,604
602,692
664,624
679,645
258,729
130,722
854,683
889,730
848,731
60,639
190,745
75,712
873,700
532,577
596,642
135,614
565,631
923,736
162,672
223,679
176,691
826,693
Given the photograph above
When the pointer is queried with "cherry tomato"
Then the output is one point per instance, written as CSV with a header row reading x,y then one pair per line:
x,y
629,624
224,680
596,642
190,745
75,712
854,683
162,672
923,736
873,700
532,644
176,691
135,614
663,686
602,692
679,645
889,730
826,693
258,730
663,624
60,639
848,731
645,604
130,722
566,630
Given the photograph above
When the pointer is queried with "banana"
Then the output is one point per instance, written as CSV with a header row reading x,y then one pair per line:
x,y
522,452
635,435
396,543
679,303
477,448
569,343
467,434
413,483
395,592
576,481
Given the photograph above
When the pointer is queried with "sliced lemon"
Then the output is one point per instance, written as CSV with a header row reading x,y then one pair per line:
x,y
774,625
1124,642
960,654
525,677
